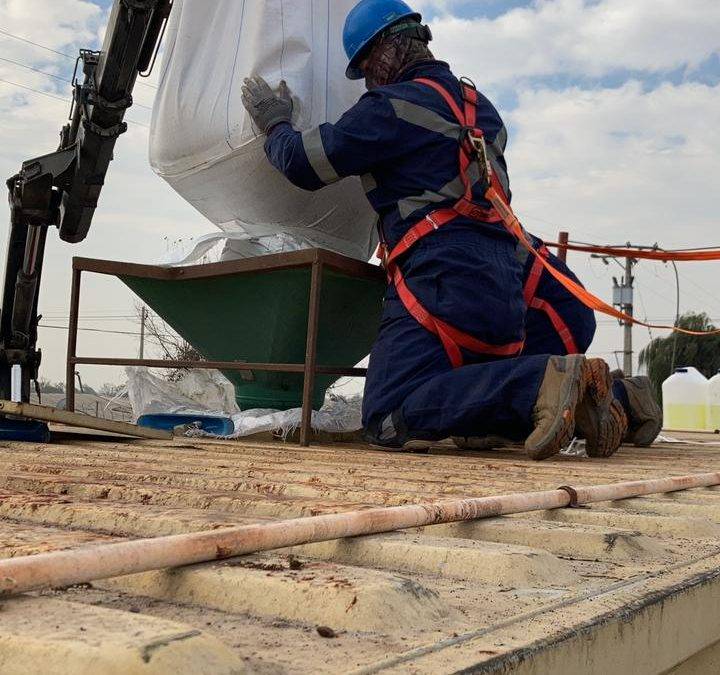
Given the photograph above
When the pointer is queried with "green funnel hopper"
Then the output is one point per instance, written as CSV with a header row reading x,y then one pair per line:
x,y
257,311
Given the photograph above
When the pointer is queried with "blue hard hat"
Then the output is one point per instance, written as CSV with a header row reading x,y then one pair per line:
x,y
365,22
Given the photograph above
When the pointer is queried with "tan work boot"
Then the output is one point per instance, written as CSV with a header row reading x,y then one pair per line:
x,y
646,416
563,386
600,418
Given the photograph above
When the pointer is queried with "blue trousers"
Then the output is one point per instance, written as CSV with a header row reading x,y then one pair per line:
x,y
475,282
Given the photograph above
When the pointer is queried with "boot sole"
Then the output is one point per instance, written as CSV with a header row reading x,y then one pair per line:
x,y
563,429
600,417
410,447
645,435
646,409
481,443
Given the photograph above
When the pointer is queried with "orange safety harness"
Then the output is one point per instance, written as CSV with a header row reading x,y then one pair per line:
x,y
533,302
473,149
472,146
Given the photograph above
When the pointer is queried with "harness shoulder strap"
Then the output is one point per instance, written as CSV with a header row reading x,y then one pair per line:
x,y
452,339
459,116
472,141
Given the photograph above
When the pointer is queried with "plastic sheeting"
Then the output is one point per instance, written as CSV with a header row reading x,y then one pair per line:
x,y
209,392
199,391
203,142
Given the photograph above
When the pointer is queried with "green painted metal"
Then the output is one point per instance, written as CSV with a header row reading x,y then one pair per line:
x,y
261,317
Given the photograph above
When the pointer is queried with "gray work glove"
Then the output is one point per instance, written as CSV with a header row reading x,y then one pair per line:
x,y
267,108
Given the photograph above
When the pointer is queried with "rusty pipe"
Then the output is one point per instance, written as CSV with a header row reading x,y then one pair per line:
x,y
83,565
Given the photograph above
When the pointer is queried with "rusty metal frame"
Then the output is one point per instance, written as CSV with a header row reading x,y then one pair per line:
x,y
316,259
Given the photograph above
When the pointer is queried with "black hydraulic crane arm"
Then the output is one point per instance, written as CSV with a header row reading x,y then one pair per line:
x,y
61,189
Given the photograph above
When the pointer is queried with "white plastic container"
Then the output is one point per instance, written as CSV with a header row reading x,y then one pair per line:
x,y
685,400
714,403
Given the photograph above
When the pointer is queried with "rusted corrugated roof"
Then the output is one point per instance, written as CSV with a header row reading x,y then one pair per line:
x,y
594,588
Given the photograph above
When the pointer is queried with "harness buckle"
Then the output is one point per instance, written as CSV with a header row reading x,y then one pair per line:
x,y
474,140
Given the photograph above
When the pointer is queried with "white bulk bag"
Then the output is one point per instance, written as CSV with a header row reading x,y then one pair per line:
x,y
203,143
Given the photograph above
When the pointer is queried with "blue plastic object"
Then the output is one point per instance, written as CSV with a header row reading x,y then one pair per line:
x,y
216,426
28,431
366,21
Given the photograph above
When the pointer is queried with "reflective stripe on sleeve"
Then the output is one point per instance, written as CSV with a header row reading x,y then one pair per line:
x,y
425,118
315,151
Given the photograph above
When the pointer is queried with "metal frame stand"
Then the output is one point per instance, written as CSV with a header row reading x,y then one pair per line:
x,y
316,259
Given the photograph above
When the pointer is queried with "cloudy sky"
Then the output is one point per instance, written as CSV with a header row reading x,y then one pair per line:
x,y
612,106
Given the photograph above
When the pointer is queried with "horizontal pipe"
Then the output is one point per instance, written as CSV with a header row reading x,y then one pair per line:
x,y
84,565
217,365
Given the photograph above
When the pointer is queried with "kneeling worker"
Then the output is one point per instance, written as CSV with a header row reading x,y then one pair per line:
x,y
459,352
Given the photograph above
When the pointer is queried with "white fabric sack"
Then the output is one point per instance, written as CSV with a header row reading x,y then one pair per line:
x,y
203,143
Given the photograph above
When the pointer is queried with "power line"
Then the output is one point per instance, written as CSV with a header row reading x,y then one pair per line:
x,y
700,288
85,316
104,330
56,77
614,322
692,248
105,311
526,214
35,44
90,330
641,247
55,51
91,319
36,91
642,302
60,98
36,70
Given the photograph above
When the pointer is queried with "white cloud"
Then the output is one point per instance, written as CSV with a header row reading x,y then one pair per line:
x,y
617,165
57,24
620,159
580,38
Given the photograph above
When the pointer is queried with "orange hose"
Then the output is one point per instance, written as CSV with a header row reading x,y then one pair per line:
x,y
655,254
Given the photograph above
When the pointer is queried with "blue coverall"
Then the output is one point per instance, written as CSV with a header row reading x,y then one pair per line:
x,y
402,139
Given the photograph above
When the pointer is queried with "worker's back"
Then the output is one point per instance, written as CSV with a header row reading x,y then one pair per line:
x,y
420,172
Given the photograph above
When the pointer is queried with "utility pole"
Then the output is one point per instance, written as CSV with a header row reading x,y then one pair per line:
x,y
623,299
143,317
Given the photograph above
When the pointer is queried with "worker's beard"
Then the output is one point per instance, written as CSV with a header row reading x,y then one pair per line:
x,y
390,56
